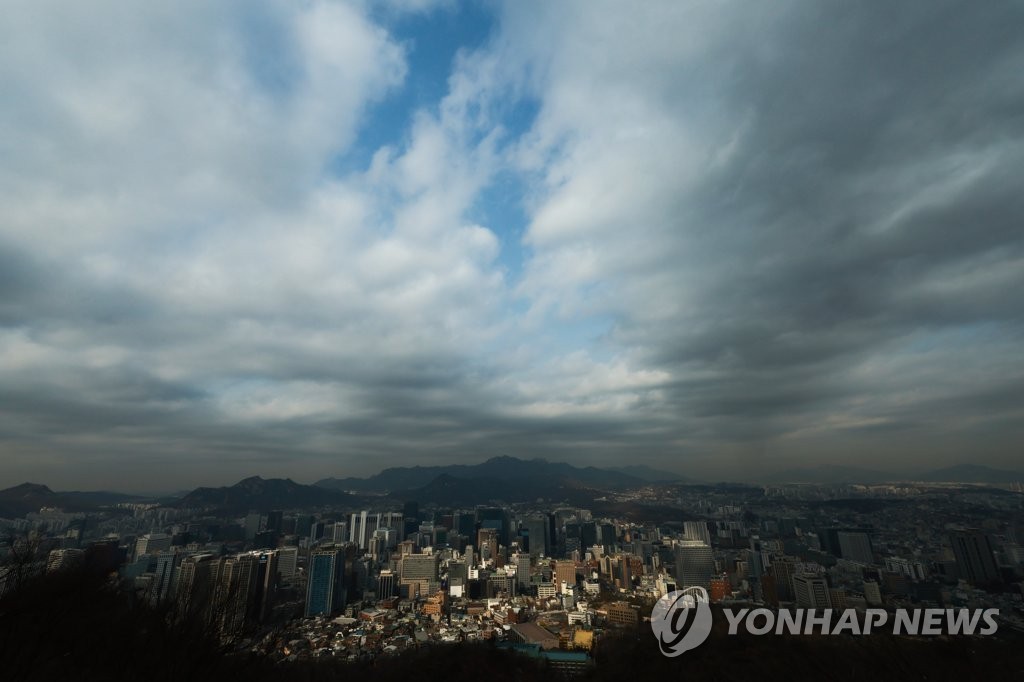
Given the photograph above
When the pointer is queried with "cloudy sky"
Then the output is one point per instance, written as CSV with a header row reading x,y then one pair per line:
x,y
319,238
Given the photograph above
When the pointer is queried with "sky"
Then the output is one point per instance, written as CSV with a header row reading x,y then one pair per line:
x,y
312,238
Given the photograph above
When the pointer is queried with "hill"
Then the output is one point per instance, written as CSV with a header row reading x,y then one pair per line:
x,y
500,468
259,494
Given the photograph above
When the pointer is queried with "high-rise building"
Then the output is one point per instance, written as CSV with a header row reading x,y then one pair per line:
x,y
695,564
267,580
487,541
195,583
59,559
152,543
975,558
234,595
287,561
565,572
339,533
811,592
495,518
522,570
275,522
420,567
537,534
855,546
167,566
697,530
253,525
387,585
783,571
325,591
361,526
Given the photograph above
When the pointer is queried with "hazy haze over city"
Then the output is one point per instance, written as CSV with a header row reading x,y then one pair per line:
x,y
313,239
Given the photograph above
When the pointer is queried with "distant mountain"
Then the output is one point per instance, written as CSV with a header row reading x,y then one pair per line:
x,y
497,468
30,497
831,473
255,493
458,491
970,473
646,473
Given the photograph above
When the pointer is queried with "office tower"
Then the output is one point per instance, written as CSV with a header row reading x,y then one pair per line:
x,y
695,564
872,593
465,523
697,530
565,572
522,569
267,580
360,527
275,522
59,559
234,594
487,541
537,537
588,534
152,543
458,569
811,592
167,565
393,521
287,561
303,524
195,584
420,567
756,558
253,525
499,582
387,585
325,592
855,546
975,559
625,572
316,531
783,571
607,537
339,533
497,519
411,510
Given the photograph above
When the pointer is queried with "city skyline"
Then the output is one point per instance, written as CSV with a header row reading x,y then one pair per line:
x,y
320,239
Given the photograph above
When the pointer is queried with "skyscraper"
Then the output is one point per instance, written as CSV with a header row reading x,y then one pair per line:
x,y
975,558
167,565
695,564
538,536
522,570
855,546
287,559
697,530
811,592
565,572
325,592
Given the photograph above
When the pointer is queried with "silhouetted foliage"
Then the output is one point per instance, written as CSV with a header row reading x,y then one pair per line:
x,y
79,625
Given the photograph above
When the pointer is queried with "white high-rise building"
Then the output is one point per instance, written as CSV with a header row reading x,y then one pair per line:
x,y
152,543
697,530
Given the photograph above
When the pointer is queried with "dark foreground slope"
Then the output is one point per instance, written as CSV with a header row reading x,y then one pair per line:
x,y
75,627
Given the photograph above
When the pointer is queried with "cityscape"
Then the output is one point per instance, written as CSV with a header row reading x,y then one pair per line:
x,y
511,340
291,573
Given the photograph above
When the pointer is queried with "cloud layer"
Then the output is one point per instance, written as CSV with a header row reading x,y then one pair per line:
x,y
750,237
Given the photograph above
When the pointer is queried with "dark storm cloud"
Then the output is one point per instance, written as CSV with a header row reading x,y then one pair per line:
x,y
798,227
